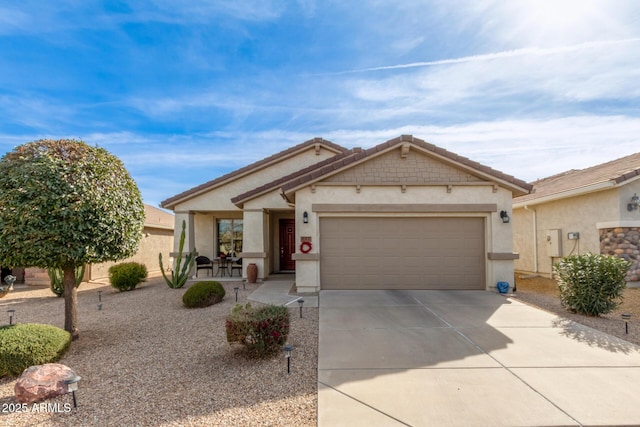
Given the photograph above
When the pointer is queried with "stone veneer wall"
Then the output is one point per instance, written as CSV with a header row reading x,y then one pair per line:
x,y
623,242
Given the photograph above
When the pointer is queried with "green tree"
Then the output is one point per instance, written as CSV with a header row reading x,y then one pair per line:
x,y
63,204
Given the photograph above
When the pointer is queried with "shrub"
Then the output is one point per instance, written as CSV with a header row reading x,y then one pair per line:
x,y
591,284
127,275
262,330
28,344
203,294
56,275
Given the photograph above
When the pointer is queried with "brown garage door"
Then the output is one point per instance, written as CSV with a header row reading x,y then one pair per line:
x,y
402,253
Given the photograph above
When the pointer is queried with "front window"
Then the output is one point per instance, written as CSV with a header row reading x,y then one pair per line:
x,y
229,237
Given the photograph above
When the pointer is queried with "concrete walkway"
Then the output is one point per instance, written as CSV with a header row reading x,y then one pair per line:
x,y
467,358
277,291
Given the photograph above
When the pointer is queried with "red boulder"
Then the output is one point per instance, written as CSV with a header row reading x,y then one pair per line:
x,y
42,382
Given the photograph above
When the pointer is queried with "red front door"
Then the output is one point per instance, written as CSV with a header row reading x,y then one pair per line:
x,y
287,244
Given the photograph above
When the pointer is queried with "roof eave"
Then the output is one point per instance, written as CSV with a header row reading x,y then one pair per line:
x,y
580,191
172,202
518,190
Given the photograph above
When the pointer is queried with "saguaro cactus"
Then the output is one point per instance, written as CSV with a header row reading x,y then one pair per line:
x,y
180,273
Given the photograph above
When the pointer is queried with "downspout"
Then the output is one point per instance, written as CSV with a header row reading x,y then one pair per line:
x,y
535,237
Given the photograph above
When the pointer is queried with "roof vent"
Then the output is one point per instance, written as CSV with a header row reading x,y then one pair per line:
x,y
357,149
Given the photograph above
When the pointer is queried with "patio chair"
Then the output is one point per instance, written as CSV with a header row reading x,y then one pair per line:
x,y
203,263
237,265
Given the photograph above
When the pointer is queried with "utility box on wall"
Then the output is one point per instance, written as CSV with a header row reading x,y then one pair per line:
x,y
554,243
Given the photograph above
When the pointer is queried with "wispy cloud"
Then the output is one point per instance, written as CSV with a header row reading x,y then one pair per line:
x,y
218,85
514,53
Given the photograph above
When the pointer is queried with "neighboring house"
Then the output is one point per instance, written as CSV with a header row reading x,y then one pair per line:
x,y
404,214
579,211
157,236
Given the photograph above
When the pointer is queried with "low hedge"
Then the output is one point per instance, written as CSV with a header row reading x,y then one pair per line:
x,y
28,344
127,275
203,294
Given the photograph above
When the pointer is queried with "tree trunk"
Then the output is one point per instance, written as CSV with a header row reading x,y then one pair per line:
x,y
70,302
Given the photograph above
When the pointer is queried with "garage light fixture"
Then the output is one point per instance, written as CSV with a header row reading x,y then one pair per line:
x,y
305,217
635,201
505,217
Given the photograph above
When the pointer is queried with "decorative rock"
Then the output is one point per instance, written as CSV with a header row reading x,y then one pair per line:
x,y
42,382
623,242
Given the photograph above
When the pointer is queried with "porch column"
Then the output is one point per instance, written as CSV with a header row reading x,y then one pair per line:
x,y
255,224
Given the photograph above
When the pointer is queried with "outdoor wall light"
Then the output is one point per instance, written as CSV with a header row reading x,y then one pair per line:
x,y
72,387
505,217
305,217
635,201
287,354
626,317
300,303
236,289
12,316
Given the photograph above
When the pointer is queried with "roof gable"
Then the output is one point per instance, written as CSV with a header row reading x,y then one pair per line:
x,y
405,144
315,143
577,181
277,184
411,166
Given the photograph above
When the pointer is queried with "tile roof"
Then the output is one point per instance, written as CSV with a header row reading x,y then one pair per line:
x,y
339,163
172,201
238,200
613,172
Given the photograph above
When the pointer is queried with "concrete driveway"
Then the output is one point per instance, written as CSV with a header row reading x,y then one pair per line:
x,y
446,358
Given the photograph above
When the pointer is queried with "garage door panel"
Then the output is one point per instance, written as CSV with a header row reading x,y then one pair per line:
x,y
402,253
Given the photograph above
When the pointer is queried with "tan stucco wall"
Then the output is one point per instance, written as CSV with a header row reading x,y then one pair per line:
x,y
157,237
201,212
575,214
498,235
153,242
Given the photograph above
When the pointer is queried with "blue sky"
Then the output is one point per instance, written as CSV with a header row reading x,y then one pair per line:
x,y
184,91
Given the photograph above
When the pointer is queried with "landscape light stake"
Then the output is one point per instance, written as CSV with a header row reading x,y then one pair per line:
x,y
236,289
244,283
300,303
287,354
626,317
72,386
12,314
99,300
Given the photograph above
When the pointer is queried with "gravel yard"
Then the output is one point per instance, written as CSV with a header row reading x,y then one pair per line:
x,y
145,360
543,293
